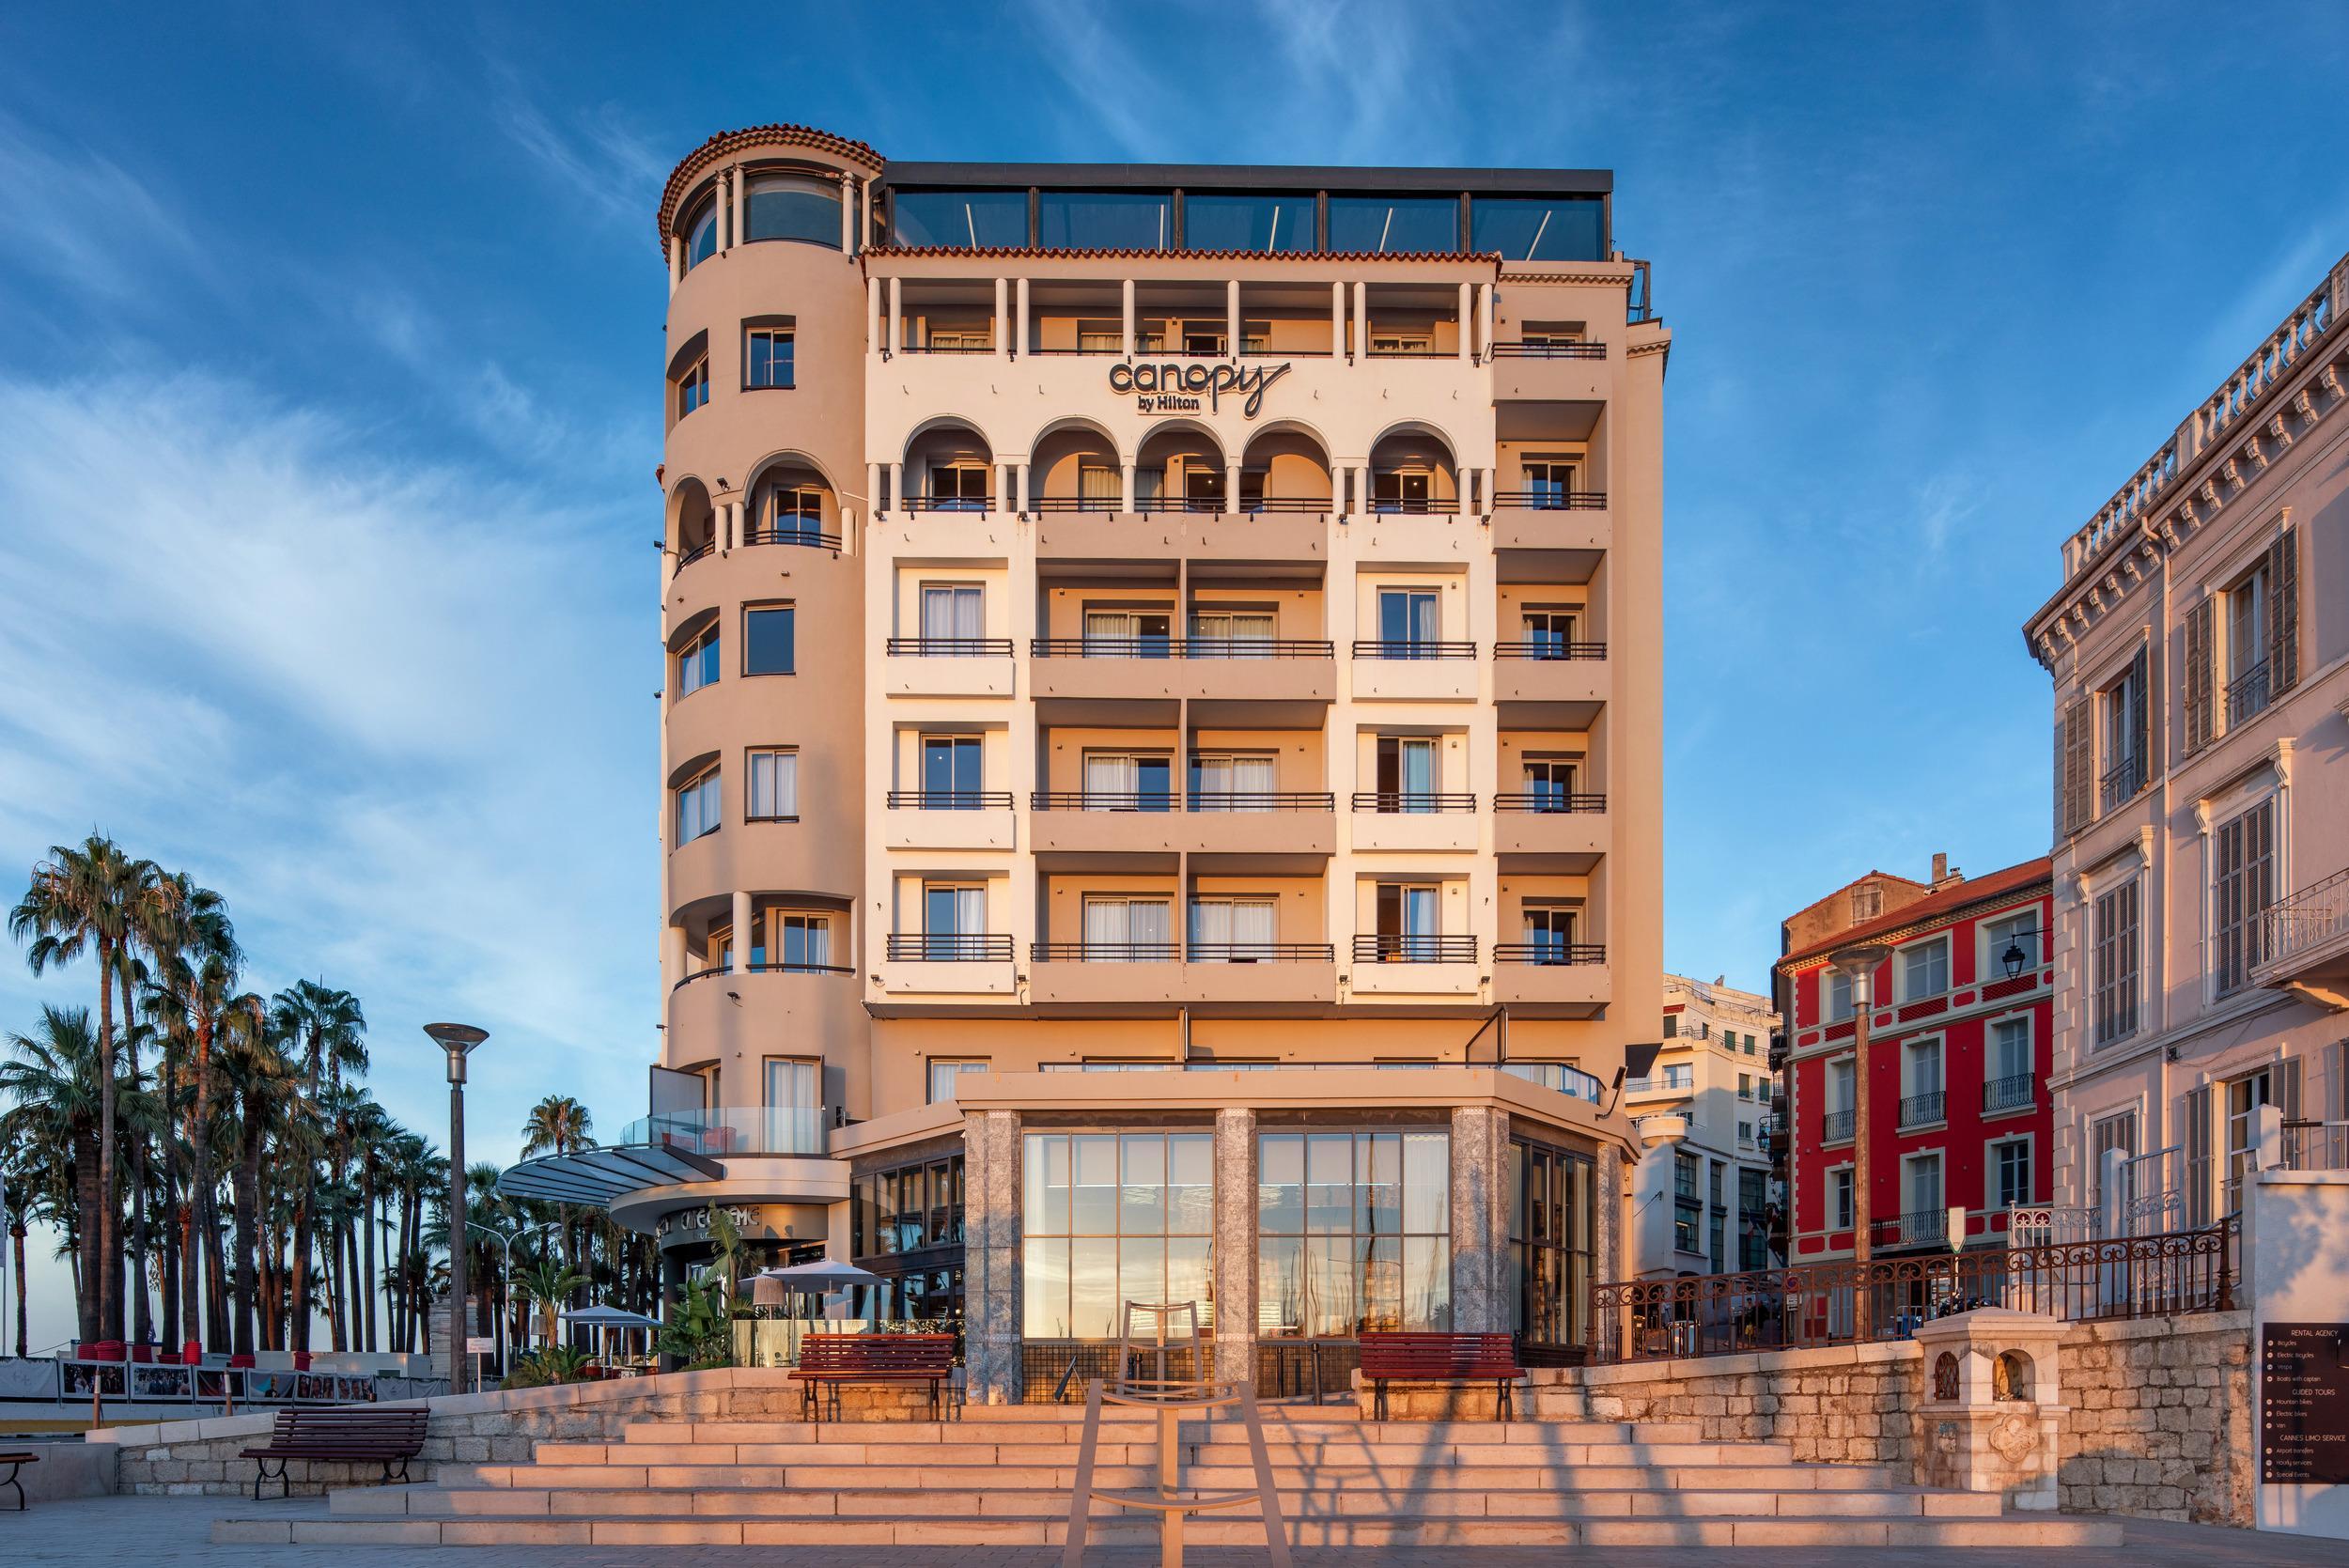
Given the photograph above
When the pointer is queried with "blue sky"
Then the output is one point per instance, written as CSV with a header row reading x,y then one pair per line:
x,y
330,344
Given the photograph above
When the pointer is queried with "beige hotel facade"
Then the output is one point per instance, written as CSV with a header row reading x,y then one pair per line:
x,y
1160,776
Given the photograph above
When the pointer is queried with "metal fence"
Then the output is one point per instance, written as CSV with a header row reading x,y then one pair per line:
x,y
1848,1303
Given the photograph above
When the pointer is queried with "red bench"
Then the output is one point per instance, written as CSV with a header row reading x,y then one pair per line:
x,y
341,1433
15,1462
1415,1358
827,1361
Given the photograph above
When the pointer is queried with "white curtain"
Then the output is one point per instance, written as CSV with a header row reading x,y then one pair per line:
x,y
1214,776
952,613
774,783
1109,776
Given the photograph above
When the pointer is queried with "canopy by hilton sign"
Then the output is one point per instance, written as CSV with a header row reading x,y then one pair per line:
x,y
1180,388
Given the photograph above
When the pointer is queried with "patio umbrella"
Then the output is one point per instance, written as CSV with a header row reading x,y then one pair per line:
x,y
605,1318
813,1279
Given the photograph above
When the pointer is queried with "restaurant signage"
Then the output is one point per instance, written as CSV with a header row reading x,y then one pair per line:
x,y
1182,388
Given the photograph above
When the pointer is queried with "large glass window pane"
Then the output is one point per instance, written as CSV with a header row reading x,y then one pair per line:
x,y
1141,1192
1330,1294
769,641
1280,1285
1427,1183
1140,1277
1186,1276
1379,1195
1093,1287
1093,1208
1382,1283
1190,1185
1248,223
1281,1183
1329,1182
1538,228
1045,1170
794,206
1427,1282
1045,1289
959,218
1394,224
1105,220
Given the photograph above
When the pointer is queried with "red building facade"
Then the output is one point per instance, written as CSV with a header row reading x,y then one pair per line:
x,y
1961,1043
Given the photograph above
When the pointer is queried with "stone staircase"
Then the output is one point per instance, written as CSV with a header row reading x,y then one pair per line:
x,y
1001,1475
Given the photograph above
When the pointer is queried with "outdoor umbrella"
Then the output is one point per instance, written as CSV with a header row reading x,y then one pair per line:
x,y
769,1286
603,1317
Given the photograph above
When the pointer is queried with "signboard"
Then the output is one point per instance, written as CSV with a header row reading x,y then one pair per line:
x,y
753,1221
2304,1403
1181,388
480,1345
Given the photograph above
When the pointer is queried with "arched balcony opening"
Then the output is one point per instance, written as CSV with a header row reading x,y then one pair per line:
x,y
948,468
1412,470
1284,468
693,523
792,504
782,203
1179,468
1075,467
701,227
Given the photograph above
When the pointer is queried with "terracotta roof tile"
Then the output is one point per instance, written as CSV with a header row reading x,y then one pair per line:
x,y
1933,907
690,168
989,253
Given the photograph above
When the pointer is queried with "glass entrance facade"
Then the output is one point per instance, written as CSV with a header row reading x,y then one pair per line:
x,y
1550,1235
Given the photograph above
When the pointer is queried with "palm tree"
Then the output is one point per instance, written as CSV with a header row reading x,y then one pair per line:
x,y
80,902
178,924
547,1284
16,1195
52,1081
195,995
262,1085
329,1027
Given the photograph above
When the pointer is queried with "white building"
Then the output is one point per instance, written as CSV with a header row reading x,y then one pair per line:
x,y
1701,1205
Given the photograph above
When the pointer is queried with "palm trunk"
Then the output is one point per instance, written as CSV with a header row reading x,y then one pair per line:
x,y
215,1275
16,1236
105,1222
87,1313
366,1267
174,1216
142,1322
245,1200
203,1185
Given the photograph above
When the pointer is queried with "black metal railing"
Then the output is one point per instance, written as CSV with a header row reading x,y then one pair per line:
x,y
1836,1126
1306,504
2122,783
1263,953
685,558
1380,647
2248,693
943,504
1076,504
1180,647
1547,650
1552,500
950,799
1550,802
1104,799
808,535
951,947
1261,799
1202,506
788,968
945,347
1810,1305
1389,506
1549,954
1399,948
1916,1228
1548,351
949,647
2007,1094
1405,802
1918,1109
1104,953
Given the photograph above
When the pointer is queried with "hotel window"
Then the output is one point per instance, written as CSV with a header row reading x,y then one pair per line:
x,y
794,514
802,943
2247,683
2110,1135
908,1209
1680,1075
2010,1174
1925,969
697,806
1549,633
1354,1232
766,357
1105,220
1236,931
1835,995
1122,930
1538,228
1202,488
945,1075
2127,737
1231,633
1410,622
774,786
954,919
1840,1101
693,388
1129,634
951,772
1111,1218
1839,1198
768,639
1233,780
2015,932
698,664
1671,1025
1205,339
1550,1224
794,1084
1744,1086
1388,225
2243,887
959,487
1549,485
1921,1216
1753,1219
1553,335
1125,781
1921,1082
1406,773
1548,934
959,219
1688,1209
1410,343
1717,1222
2010,1079
2114,1000
953,614
701,235
1099,487
1409,489
2195,1132
1100,338
1549,783
1240,223
2277,1085
1411,922
792,207
958,341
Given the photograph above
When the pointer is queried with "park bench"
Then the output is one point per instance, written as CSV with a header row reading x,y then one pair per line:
x,y
829,1361
341,1433
15,1462
1416,1358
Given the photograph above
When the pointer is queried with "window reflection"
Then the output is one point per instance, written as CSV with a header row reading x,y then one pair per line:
x,y
1112,1218
1549,1242
1248,223
1105,220
1354,1232
1538,228
961,218
1392,224
792,207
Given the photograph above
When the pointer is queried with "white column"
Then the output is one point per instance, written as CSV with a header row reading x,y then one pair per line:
x,y
741,202
1361,491
1130,488
1002,321
742,933
1231,486
847,213
1003,489
1337,321
673,956
1361,322
676,263
1019,344
726,525
1231,324
1484,318
896,311
1468,322
864,212
1337,490
897,485
1127,289
1019,494
876,334
873,488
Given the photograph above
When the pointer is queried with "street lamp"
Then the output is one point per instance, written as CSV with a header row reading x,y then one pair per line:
x,y
1858,964
505,1240
457,1039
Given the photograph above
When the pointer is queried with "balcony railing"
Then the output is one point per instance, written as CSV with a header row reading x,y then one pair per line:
x,y
1261,799
945,504
2304,922
1414,802
1549,955
1552,500
1204,506
1180,647
1546,802
950,947
735,1130
949,647
1233,802
1547,650
2248,693
780,967
1836,1126
1398,948
945,347
807,534
1379,648
1104,799
1389,507
1263,953
1104,953
1918,1110
1559,1076
1076,503
1548,351
686,557
2007,1094
2122,783
1916,1228
950,799
2316,1146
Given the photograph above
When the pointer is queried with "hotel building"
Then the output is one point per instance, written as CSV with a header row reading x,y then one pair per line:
x,y
1161,744
2200,646
1703,1203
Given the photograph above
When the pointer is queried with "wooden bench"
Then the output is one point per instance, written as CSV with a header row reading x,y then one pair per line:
x,y
341,1433
1441,1359
15,1462
827,1361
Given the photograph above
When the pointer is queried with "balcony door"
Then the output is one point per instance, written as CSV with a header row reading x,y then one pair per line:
x,y
2277,1085
794,1114
1548,633
1129,634
951,772
1202,488
1117,781
954,917
1127,930
1549,783
1098,489
1407,773
1239,930
1222,783
1921,1212
1231,633
1548,934
1549,484
805,941
959,487
953,612
1408,618
1401,490
1409,920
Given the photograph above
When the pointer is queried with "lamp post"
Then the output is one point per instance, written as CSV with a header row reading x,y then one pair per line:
x,y
1859,964
457,1039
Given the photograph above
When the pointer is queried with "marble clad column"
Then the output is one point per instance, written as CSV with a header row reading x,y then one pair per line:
x,y
1235,1252
990,1228
1607,1227
1480,1220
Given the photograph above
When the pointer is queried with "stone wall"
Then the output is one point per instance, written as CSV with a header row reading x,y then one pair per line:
x,y
1848,1405
2160,1418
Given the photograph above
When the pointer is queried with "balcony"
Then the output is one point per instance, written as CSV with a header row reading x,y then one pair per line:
x,y
1401,965
1573,827
1112,974
1914,1227
1923,1110
2249,694
1836,1126
948,667
1414,672
1391,820
2304,941
1265,828
1071,528
1552,979
1571,680
715,1134
949,819
1549,372
1203,669
948,963
2007,1094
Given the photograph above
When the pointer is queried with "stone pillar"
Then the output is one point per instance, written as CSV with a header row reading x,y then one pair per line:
x,y
1019,487
1361,491
877,332
847,213
1480,1220
1002,319
1361,322
1236,1243
1231,484
742,937
873,488
1607,1239
741,206
673,955
991,1228
898,487
1466,322
896,311
1231,317
1485,322
1127,291
1129,504
1337,321
677,262
1019,344
1993,1412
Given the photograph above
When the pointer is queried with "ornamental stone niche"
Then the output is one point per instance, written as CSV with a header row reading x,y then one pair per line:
x,y
1995,1419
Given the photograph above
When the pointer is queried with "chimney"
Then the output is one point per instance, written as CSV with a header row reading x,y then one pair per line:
x,y
1940,868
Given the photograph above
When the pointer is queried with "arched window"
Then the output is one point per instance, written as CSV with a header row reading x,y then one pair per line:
x,y
701,235
794,206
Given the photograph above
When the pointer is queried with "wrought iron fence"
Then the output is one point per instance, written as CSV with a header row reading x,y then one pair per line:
x,y
1848,1303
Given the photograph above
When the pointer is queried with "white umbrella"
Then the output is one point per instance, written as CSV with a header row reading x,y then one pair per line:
x,y
604,1318
814,1278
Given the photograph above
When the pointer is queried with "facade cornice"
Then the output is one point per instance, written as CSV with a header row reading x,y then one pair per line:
x,y
727,142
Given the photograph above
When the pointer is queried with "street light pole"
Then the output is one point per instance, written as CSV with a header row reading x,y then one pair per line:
x,y
455,1039
1860,964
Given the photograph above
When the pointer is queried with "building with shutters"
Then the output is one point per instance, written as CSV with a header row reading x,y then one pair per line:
x,y
2200,646
1958,1050
1160,745
1705,1204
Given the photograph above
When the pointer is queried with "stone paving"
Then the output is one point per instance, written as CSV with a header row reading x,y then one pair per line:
x,y
171,1533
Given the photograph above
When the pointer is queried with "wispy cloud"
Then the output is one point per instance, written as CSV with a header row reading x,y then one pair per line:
x,y
595,153
79,219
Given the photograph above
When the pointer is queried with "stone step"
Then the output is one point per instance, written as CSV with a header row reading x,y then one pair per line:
x,y
897,1434
1014,1414
2013,1532
1231,1449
